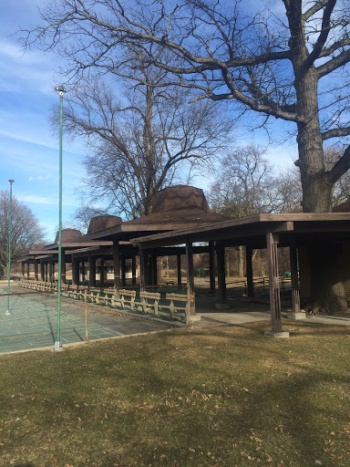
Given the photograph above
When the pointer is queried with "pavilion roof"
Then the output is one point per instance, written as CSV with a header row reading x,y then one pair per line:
x,y
252,230
174,208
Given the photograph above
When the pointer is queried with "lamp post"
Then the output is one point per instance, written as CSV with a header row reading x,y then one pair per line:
x,y
9,251
58,345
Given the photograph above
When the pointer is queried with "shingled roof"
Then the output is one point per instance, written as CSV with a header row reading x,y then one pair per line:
x,y
180,197
69,235
180,204
103,222
175,207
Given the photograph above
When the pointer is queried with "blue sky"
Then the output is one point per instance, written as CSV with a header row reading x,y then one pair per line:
x,y
29,149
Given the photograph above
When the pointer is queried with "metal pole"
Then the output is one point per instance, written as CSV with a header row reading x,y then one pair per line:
x,y
58,344
9,251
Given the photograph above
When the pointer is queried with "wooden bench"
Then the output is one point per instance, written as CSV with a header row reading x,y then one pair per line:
x,y
39,285
150,302
126,299
105,297
175,304
93,295
76,294
27,284
179,303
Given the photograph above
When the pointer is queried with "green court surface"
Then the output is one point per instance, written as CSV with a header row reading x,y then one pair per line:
x,y
32,321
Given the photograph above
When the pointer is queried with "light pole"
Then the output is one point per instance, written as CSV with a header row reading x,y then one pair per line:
x,y
9,251
58,344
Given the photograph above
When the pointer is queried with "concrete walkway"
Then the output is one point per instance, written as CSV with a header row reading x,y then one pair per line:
x,y
231,318
224,319
245,311
238,312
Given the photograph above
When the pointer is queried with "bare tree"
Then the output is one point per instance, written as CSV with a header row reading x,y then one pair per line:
x,y
26,232
341,189
245,184
82,217
288,189
291,65
144,140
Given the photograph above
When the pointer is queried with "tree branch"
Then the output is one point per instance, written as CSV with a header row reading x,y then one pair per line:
x,y
314,9
325,30
340,168
335,133
335,63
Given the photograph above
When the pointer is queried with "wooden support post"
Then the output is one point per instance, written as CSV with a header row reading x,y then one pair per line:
x,y
36,275
51,272
178,268
102,273
274,286
294,279
28,270
123,274
154,268
116,266
147,268
212,267
133,270
63,267
142,270
92,271
190,275
42,271
249,271
220,253
83,271
75,271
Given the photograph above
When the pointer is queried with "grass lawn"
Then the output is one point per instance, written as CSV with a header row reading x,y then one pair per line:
x,y
220,396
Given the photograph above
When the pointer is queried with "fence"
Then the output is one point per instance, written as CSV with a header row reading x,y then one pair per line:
x,y
261,285
169,301
89,314
32,319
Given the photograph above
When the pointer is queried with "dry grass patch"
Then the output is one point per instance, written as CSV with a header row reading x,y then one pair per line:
x,y
204,397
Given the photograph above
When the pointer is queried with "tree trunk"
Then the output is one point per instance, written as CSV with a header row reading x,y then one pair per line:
x,y
316,189
241,261
327,288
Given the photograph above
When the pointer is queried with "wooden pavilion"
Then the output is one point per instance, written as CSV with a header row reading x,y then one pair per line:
x,y
44,260
328,232
181,224
108,239
174,208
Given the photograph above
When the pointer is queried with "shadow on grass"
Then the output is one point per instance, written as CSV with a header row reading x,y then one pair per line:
x,y
216,396
289,412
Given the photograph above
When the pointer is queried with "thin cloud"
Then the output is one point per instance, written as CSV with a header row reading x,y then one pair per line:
x,y
36,199
22,72
23,138
40,178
